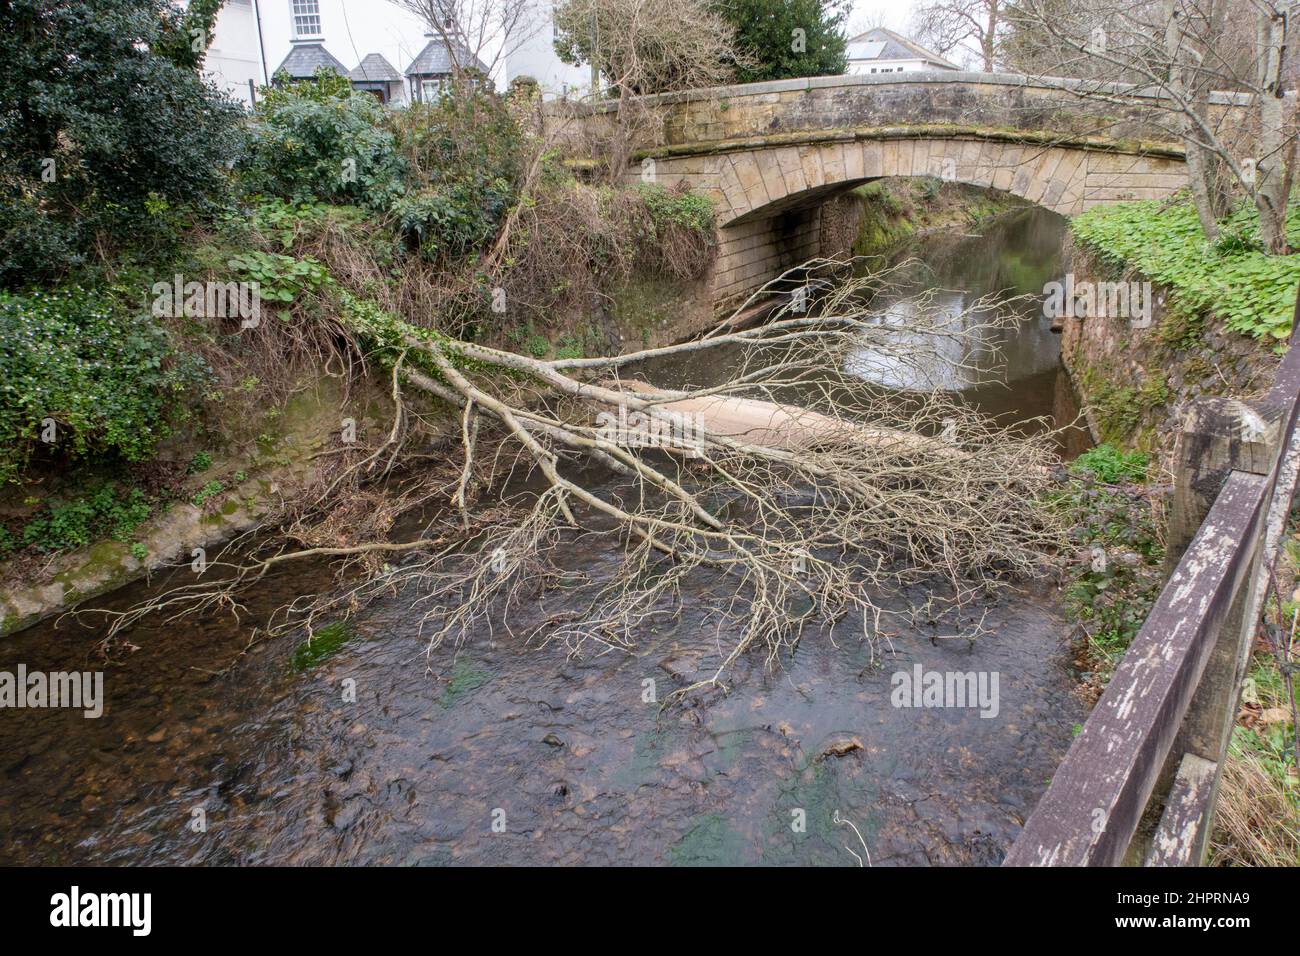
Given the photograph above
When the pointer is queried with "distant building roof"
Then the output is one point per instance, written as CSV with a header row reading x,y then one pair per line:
x,y
434,59
374,68
883,44
305,59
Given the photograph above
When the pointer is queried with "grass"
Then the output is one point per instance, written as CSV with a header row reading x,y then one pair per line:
x,y
1257,820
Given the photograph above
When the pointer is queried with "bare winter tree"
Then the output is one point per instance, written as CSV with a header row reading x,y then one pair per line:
x,y
486,31
1177,57
648,46
642,47
817,511
949,25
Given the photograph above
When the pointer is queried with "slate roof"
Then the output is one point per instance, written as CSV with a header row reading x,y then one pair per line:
x,y
305,58
883,44
434,60
375,69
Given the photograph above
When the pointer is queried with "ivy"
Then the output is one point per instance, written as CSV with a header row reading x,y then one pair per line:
x,y
83,375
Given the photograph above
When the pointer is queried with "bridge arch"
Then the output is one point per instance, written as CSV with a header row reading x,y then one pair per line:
x,y
768,192
769,153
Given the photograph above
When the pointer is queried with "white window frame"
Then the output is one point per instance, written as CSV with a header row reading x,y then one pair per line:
x,y
305,13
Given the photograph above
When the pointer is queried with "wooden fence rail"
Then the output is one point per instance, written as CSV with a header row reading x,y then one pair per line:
x,y
1163,724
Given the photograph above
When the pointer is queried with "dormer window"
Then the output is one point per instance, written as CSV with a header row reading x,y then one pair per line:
x,y
306,19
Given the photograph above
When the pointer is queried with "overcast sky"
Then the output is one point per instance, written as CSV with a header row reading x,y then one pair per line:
x,y
888,13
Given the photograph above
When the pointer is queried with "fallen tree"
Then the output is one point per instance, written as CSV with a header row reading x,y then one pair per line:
x,y
814,492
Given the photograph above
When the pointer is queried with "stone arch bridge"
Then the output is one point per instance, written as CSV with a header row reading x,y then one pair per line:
x,y
773,156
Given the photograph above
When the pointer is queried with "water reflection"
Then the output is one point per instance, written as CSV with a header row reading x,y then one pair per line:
x,y
1014,257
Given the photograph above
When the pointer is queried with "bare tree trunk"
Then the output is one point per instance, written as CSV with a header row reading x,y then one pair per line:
x,y
1272,168
1200,168
988,42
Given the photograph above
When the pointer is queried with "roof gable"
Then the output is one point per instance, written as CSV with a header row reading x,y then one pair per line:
x,y
884,44
305,59
374,68
434,60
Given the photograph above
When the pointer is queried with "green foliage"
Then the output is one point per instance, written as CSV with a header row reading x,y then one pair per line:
x,y
1107,464
284,221
107,140
462,160
1111,597
107,511
209,490
201,461
105,376
322,141
452,219
766,29
1254,293
281,278
684,210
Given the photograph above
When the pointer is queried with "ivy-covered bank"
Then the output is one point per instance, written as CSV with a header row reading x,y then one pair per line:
x,y
1220,315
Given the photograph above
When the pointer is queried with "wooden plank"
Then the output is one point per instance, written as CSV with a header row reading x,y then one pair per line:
x,y
1098,794
1180,840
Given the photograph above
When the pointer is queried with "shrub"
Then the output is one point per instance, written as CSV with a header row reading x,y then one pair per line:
x,y
106,378
452,219
461,154
320,140
106,139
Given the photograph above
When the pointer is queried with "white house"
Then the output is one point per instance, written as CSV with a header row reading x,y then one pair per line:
x,y
884,51
535,56
235,54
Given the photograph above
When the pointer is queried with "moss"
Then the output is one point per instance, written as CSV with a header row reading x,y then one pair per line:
x,y
1115,407
1196,368
465,679
324,642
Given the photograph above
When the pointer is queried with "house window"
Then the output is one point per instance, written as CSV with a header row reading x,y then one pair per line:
x,y
430,89
306,18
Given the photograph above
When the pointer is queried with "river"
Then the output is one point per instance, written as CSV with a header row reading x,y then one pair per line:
x,y
212,750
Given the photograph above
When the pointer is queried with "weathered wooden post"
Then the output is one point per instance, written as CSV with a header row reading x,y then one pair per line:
x,y
1218,436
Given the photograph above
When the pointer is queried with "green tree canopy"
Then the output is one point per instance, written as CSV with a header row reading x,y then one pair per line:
x,y
788,38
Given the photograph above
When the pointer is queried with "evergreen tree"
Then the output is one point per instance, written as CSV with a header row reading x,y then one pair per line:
x,y
788,38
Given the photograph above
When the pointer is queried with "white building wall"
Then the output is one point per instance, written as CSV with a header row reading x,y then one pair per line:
x,y
888,66
234,56
536,57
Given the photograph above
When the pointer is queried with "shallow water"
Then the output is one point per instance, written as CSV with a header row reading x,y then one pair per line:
x,y
501,752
